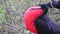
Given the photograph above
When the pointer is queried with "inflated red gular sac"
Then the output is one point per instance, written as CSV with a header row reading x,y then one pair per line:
x,y
31,15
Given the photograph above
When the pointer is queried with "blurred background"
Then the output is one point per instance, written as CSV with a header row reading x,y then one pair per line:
x,y
12,12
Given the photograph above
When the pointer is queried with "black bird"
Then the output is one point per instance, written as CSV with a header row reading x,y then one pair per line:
x,y
37,20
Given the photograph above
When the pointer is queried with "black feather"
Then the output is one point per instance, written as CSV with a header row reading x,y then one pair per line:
x,y
55,4
44,7
45,26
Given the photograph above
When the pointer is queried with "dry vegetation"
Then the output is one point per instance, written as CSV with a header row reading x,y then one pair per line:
x,y
11,15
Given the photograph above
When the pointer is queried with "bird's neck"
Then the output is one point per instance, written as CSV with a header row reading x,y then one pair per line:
x,y
44,7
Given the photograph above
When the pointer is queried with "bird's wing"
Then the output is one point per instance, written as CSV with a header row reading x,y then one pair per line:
x,y
46,27
41,26
51,24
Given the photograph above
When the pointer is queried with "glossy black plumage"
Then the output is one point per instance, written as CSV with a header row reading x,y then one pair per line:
x,y
44,7
54,4
43,24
